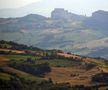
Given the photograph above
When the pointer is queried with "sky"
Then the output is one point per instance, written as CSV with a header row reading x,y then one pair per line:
x,y
75,6
15,3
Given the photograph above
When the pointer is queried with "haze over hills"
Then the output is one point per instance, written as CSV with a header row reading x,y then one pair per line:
x,y
99,18
37,7
64,30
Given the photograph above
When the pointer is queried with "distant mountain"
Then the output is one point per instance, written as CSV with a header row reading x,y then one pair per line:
x,y
29,22
98,20
33,17
35,21
41,7
100,52
63,30
60,13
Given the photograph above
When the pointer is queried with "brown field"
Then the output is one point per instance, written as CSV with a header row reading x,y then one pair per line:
x,y
16,51
3,60
69,55
74,76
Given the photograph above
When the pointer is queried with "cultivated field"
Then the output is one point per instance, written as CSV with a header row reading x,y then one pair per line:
x,y
74,76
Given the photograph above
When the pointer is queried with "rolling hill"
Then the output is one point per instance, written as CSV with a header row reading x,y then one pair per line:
x,y
49,69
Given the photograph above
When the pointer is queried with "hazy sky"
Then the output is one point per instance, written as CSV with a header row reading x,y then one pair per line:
x,y
76,6
15,3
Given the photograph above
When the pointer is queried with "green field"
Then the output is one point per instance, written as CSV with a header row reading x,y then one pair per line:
x,y
20,57
58,63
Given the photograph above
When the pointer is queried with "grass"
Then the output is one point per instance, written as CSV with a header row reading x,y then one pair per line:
x,y
58,63
34,78
8,71
103,88
61,70
97,62
19,57
4,76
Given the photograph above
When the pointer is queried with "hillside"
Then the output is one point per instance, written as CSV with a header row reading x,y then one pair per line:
x,y
16,46
63,30
49,69
99,18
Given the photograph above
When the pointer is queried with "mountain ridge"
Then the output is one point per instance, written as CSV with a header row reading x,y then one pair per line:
x,y
44,32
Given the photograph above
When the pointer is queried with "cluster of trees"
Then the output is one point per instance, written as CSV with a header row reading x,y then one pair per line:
x,y
48,54
16,46
6,52
51,55
30,67
101,77
16,83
